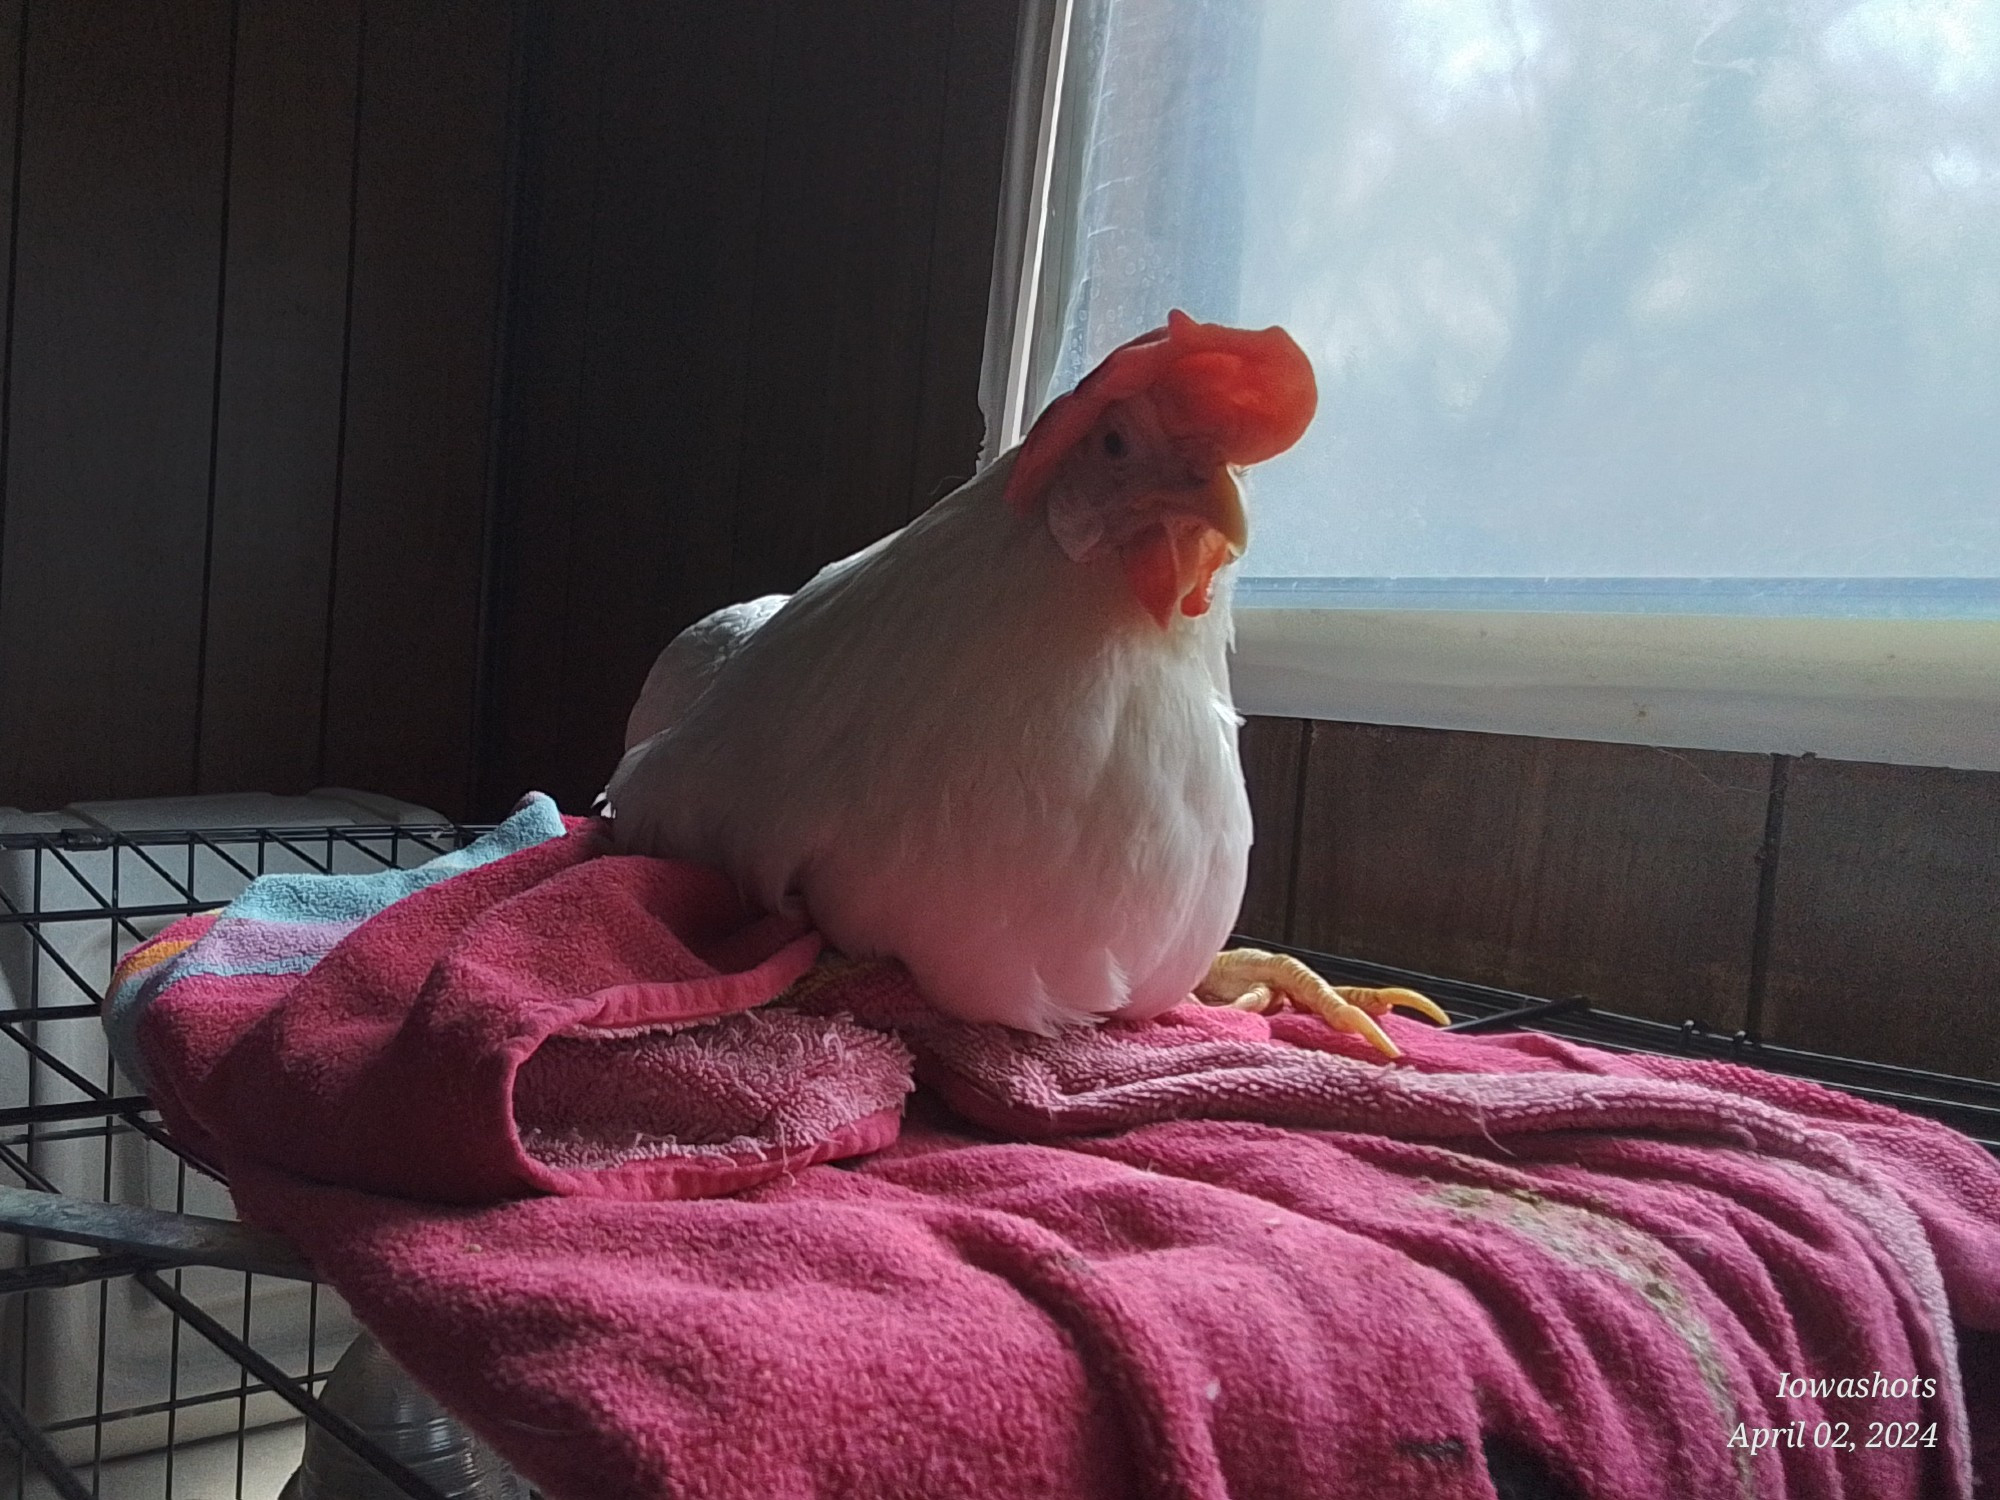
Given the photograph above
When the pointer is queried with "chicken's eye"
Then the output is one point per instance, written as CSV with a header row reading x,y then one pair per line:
x,y
1114,443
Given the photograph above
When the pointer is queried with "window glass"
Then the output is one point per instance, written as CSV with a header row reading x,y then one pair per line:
x,y
1632,304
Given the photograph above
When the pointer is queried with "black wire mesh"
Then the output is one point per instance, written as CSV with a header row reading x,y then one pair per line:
x,y
125,1375
1970,1105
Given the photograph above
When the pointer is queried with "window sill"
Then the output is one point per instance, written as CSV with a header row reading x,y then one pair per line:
x,y
1906,691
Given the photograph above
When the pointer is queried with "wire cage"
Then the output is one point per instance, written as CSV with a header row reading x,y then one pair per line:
x,y
152,1350
1968,1105
144,1353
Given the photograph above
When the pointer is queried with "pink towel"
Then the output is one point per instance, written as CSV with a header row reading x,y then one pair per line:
x,y
1206,1256
537,1024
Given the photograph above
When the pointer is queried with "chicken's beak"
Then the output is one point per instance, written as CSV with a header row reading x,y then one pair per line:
x,y
1221,506
1172,564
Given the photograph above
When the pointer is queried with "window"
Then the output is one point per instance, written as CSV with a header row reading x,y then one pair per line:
x,y
1658,344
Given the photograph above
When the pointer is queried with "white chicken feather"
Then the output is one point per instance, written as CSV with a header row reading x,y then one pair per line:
x,y
683,671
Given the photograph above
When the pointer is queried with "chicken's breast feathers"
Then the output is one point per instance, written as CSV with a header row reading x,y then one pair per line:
x,y
957,747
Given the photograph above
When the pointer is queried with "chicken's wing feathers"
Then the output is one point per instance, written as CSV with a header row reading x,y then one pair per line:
x,y
689,663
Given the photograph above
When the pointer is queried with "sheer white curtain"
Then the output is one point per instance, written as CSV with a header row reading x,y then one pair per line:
x,y
1615,304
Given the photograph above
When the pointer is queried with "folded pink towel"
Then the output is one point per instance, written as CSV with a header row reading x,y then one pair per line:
x,y
1209,1255
533,1024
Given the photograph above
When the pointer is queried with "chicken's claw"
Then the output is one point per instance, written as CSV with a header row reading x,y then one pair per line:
x,y
1251,979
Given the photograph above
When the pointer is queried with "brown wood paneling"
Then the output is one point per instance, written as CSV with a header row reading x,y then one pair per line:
x,y
979,74
284,318
531,730
850,191
430,206
748,346
1274,756
15,749
1551,866
1885,936
175,391
686,93
112,371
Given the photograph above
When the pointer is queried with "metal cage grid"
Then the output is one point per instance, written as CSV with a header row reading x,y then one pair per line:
x,y
112,1216
137,1326
1968,1105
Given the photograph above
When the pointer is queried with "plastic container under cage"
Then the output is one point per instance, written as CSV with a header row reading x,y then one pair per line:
x,y
171,1372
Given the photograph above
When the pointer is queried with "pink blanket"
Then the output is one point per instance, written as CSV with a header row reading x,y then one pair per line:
x,y
1206,1256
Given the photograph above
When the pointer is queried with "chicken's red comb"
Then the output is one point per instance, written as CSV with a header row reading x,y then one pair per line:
x,y
1248,393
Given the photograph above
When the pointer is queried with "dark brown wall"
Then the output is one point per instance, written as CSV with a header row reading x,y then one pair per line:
x,y
259,525
749,303
1843,908
253,265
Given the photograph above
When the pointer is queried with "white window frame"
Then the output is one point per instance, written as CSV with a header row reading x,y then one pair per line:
x,y
1913,691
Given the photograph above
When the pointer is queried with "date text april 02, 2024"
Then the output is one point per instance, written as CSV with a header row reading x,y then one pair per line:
x,y
1833,1434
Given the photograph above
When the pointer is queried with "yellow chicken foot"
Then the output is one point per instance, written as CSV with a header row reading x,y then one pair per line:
x,y
1251,979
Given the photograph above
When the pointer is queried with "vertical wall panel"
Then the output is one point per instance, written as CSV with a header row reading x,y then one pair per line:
x,y
14,741
177,395
1553,866
748,346
1273,758
842,268
530,722
428,237
1885,935
686,104
284,321
112,375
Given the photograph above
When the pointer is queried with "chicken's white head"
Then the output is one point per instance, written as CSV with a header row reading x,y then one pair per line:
x,y
1135,469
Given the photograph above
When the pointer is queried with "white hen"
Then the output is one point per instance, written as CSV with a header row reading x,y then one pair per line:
x,y
998,745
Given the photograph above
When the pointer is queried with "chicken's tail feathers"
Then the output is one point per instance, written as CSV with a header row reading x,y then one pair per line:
x,y
615,791
691,660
